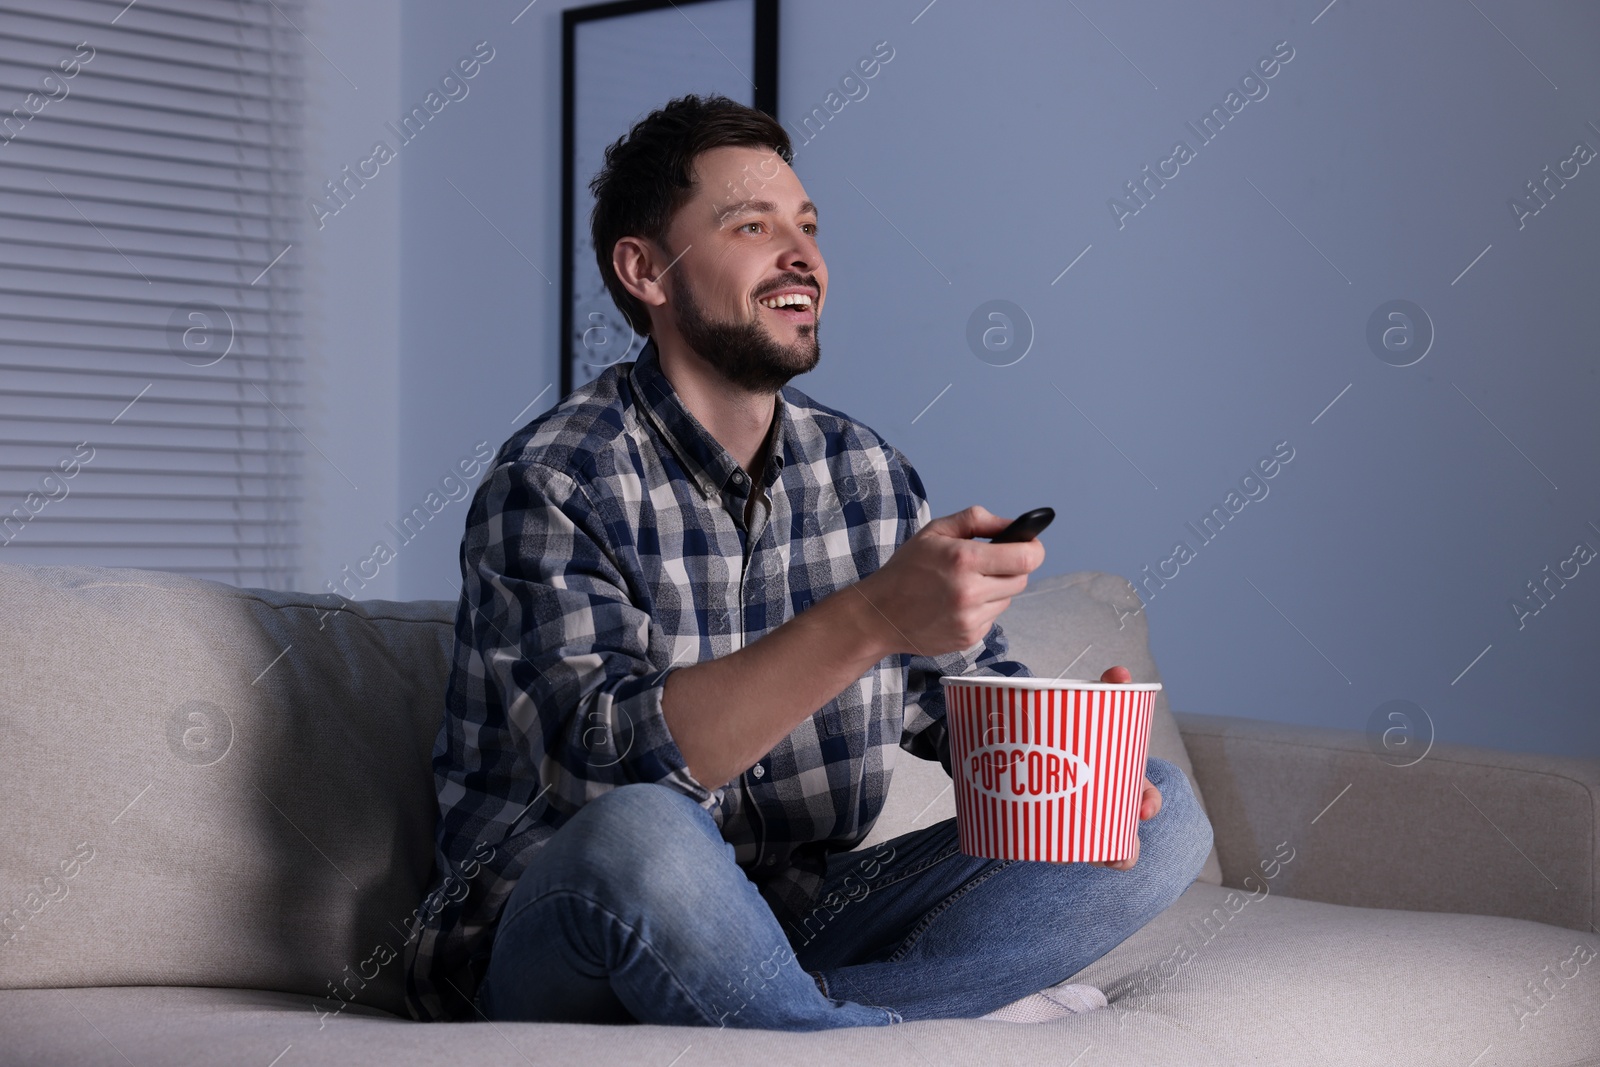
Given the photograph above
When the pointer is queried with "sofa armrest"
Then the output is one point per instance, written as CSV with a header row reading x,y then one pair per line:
x,y
1464,829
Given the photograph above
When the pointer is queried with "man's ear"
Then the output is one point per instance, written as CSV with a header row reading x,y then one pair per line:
x,y
639,268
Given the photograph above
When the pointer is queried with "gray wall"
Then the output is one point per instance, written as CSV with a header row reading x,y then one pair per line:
x,y
1186,342
352,286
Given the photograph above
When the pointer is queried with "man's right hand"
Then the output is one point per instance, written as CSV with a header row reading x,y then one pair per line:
x,y
941,591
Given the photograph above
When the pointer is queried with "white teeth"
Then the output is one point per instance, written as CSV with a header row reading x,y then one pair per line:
x,y
790,299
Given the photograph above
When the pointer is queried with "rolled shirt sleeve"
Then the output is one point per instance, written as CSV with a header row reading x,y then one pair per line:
x,y
566,653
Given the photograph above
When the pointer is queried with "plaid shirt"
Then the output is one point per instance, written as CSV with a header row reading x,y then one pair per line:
x,y
607,547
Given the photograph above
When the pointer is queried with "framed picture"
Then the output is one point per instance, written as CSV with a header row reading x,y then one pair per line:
x,y
621,61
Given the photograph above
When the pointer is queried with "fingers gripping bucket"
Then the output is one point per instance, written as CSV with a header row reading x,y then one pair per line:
x,y
1047,769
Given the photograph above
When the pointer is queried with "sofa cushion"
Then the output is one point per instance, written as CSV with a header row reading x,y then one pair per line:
x,y
1264,980
1249,976
1068,625
206,785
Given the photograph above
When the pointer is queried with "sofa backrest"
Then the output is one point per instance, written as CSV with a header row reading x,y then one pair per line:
x,y
207,785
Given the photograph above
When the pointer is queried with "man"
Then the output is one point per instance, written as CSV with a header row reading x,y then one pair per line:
x,y
702,614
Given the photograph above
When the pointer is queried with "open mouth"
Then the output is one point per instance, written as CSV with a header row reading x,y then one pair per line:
x,y
790,312
792,307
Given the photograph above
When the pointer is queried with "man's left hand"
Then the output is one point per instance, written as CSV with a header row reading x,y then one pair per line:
x,y
1149,800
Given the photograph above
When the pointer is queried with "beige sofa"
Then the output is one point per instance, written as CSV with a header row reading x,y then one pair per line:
x,y
219,813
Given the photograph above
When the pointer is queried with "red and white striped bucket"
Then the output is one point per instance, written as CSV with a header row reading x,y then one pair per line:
x,y
1047,769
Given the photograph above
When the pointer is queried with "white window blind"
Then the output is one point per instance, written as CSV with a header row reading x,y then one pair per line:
x,y
151,363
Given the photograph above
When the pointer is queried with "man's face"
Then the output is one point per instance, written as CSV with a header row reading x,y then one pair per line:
x,y
747,235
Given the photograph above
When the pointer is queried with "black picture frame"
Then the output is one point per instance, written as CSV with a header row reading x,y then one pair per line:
x,y
592,328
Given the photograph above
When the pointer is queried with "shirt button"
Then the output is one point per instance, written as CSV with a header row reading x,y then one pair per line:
x,y
758,771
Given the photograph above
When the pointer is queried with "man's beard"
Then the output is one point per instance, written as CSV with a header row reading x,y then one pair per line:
x,y
744,352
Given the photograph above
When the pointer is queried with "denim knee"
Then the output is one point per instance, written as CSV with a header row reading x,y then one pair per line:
x,y
630,841
1181,831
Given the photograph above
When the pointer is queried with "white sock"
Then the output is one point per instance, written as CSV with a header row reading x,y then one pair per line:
x,y
1047,1004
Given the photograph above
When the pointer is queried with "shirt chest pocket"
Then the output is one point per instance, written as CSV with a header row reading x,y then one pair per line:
x,y
830,721
847,714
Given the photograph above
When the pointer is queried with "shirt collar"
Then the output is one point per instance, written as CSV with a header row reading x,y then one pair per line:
x,y
707,463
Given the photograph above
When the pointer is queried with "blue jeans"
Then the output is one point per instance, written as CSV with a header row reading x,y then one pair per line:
x,y
635,911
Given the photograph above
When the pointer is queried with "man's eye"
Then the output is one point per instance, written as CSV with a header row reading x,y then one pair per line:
x,y
809,227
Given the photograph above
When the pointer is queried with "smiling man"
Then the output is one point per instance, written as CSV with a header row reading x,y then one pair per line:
x,y
702,615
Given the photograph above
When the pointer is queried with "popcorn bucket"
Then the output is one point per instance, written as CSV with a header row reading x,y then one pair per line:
x,y
1047,769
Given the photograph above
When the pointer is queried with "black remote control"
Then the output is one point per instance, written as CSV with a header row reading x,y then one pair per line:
x,y
1026,527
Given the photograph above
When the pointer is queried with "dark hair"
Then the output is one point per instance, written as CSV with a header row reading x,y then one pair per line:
x,y
647,176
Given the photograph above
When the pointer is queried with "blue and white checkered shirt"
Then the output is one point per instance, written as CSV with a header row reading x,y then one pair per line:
x,y
605,548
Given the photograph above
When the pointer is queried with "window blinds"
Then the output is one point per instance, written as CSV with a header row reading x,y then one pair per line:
x,y
151,363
